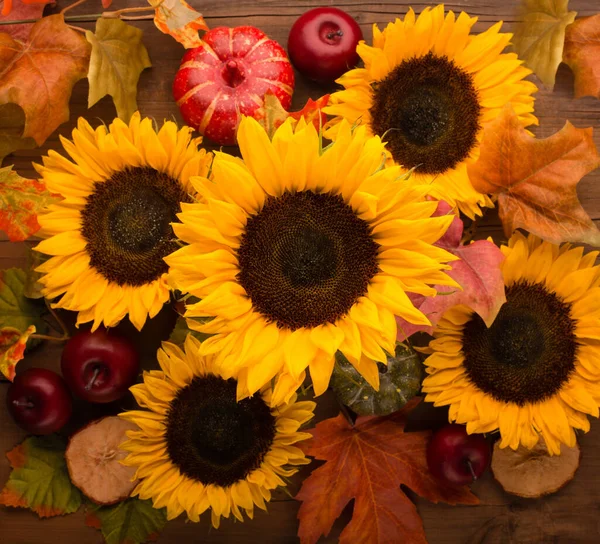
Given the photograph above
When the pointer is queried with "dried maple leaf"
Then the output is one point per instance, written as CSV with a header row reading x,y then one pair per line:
x,y
582,55
368,463
536,180
39,75
20,201
39,479
19,11
12,349
478,273
118,58
133,521
180,20
12,123
271,114
540,37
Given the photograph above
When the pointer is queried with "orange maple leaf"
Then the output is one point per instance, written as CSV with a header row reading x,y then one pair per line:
x,y
368,463
536,180
12,349
39,75
180,20
582,55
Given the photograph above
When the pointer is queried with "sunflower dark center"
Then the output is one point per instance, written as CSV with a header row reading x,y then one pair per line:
x,y
428,110
214,439
126,223
529,351
306,258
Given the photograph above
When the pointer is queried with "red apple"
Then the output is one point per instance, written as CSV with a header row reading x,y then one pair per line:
x,y
458,458
39,401
227,77
100,366
322,43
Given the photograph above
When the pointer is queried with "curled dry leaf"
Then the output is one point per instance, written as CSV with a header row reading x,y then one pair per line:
x,y
272,114
118,58
94,460
540,37
582,55
20,201
478,272
12,123
534,472
133,521
536,180
18,11
39,479
368,463
39,75
178,19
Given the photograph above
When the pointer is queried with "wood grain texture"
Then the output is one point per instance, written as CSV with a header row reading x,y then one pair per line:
x,y
572,516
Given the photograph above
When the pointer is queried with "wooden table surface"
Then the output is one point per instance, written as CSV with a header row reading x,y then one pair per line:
x,y
570,516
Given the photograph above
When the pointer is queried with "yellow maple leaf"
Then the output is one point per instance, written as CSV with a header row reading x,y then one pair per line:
x,y
540,37
118,58
180,20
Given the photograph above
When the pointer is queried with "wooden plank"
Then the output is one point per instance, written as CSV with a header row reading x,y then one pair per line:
x,y
569,516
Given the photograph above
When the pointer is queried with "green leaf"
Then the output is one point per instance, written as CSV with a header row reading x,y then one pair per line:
x,y
12,124
16,310
33,288
540,37
118,58
130,522
20,201
40,479
181,330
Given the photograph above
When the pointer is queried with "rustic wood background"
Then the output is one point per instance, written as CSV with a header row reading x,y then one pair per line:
x,y
570,516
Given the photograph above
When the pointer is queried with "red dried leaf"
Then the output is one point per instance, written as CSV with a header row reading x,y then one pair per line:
x,y
582,55
20,201
39,75
368,463
18,11
271,115
12,349
536,180
478,272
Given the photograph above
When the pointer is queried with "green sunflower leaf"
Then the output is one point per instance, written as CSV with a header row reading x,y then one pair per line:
x,y
181,330
20,201
118,58
40,479
130,522
19,318
540,38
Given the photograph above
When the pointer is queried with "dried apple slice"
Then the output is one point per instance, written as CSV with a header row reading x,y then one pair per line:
x,y
93,459
531,473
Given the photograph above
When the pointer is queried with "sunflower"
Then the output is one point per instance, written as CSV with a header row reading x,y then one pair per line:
x,y
428,88
536,370
198,448
108,236
297,252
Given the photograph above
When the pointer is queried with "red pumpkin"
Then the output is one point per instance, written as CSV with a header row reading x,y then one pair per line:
x,y
227,77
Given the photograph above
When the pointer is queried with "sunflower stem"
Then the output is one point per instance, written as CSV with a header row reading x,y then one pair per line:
x,y
49,338
61,323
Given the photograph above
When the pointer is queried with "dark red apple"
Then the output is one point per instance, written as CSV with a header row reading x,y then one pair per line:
x,y
458,458
39,401
227,77
322,43
100,366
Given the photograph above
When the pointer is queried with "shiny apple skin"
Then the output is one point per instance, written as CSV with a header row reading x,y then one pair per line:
x,y
113,355
317,49
449,450
49,396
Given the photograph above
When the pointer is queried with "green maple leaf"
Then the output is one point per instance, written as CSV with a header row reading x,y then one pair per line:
x,y
12,123
118,58
20,201
40,479
130,522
